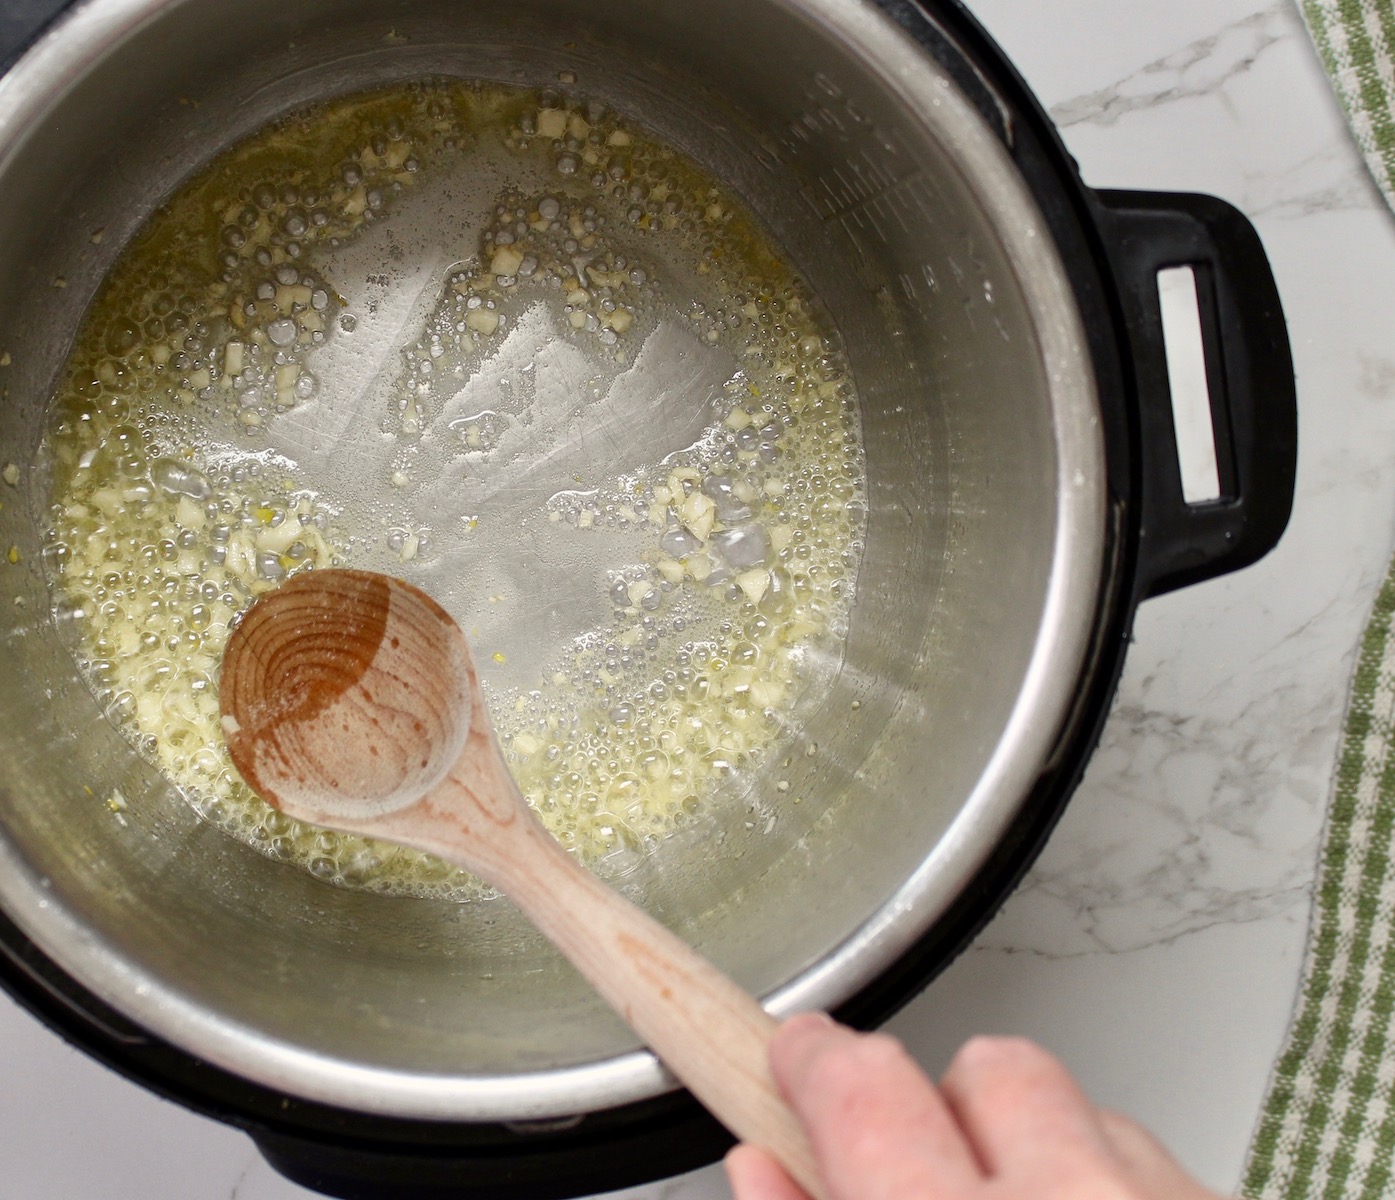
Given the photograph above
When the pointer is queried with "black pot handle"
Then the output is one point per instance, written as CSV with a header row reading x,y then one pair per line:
x,y
1249,373
21,21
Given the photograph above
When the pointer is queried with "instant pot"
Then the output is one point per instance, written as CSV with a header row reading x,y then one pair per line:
x,y
1024,496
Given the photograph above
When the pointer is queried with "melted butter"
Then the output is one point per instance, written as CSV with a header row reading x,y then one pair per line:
x,y
513,349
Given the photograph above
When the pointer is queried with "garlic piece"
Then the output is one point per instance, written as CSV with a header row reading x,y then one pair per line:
x,y
482,320
506,261
754,583
552,123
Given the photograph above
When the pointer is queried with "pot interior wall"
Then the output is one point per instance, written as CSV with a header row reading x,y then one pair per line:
x,y
864,185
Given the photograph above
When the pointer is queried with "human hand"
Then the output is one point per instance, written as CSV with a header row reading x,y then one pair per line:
x,y
1007,1122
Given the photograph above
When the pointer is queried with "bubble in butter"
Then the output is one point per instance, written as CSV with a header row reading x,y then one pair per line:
x,y
504,344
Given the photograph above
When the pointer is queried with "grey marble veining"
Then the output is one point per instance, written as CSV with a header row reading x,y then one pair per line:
x,y
1204,67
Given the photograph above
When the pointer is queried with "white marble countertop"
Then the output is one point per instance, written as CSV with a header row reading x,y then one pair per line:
x,y
1156,946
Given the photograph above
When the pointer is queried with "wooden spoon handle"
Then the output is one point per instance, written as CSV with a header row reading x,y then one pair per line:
x,y
709,1032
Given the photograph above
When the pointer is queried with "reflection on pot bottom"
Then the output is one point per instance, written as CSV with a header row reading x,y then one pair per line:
x,y
505,344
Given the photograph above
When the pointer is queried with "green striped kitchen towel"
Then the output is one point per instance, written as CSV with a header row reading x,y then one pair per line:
x,y
1356,39
1327,1130
1328,1125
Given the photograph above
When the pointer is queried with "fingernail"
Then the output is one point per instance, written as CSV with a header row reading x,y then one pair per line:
x,y
811,1021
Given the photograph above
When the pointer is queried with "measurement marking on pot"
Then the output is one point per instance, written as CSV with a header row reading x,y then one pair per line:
x,y
1191,394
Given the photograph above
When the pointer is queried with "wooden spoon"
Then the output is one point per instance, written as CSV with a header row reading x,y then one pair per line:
x,y
350,700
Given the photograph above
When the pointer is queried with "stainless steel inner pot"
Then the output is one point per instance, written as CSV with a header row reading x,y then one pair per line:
x,y
974,603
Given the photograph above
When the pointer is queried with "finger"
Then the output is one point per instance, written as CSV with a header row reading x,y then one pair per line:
x,y
1153,1170
754,1175
878,1127
1023,1113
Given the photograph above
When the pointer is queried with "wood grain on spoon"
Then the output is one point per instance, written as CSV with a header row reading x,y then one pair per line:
x,y
351,700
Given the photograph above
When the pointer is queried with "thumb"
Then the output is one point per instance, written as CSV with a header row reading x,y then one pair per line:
x,y
1146,1162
